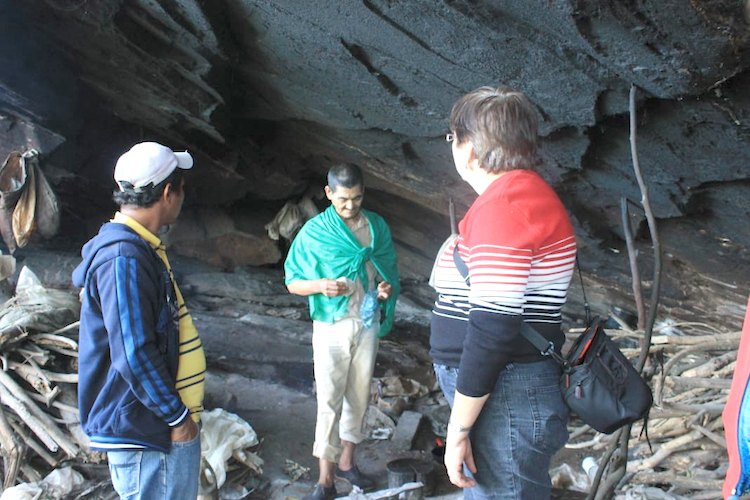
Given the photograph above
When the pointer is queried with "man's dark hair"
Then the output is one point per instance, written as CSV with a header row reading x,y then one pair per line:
x,y
146,196
347,175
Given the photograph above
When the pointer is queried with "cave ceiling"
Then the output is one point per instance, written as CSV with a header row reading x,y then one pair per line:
x,y
267,94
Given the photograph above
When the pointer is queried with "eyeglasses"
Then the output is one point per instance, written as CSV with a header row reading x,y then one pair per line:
x,y
450,137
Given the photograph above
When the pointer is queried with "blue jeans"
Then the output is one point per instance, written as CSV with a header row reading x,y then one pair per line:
x,y
153,475
522,424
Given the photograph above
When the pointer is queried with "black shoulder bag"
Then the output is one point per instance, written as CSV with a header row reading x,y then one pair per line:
x,y
598,383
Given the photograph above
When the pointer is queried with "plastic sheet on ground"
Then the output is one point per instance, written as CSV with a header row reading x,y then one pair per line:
x,y
56,485
566,478
222,434
35,308
395,492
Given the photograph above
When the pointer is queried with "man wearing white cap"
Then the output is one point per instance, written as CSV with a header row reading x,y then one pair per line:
x,y
141,364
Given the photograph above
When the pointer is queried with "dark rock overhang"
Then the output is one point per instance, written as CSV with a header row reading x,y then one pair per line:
x,y
267,94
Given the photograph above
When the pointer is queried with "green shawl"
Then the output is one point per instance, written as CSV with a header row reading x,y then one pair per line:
x,y
326,248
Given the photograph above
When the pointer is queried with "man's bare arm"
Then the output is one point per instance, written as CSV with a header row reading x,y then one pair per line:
x,y
327,286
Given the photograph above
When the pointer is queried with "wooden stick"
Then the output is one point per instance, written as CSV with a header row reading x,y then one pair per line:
x,y
64,329
66,378
56,404
33,351
675,480
716,438
49,339
709,340
686,395
692,324
583,429
33,375
727,371
60,350
711,366
45,375
603,492
659,381
36,447
30,420
709,408
67,445
667,449
634,271
12,451
31,475
619,465
706,495
690,382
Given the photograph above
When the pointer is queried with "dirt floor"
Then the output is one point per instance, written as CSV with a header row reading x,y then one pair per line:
x,y
260,368
284,419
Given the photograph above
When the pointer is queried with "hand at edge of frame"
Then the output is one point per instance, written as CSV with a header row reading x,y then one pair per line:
x,y
457,453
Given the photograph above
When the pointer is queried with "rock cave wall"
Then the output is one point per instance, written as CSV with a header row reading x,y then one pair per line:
x,y
267,94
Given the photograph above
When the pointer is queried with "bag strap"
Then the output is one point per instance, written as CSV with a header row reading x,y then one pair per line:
x,y
545,346
586,307
461,266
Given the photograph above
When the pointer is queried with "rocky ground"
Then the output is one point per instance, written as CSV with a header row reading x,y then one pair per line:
x,y
257,340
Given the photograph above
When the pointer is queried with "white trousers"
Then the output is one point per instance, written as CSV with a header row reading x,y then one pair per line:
x,y
344,359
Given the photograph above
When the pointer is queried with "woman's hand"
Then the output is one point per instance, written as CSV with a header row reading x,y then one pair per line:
x,y
457,453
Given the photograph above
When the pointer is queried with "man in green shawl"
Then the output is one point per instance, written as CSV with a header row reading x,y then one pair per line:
x,y
343,260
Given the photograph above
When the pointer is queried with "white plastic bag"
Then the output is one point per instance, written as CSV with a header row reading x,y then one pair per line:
x,y
221,434
56,485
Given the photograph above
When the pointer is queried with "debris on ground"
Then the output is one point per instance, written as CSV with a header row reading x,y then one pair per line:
x,y
39,349
409,488
229,463
681,450
296,471
39,427
57,484
381,426
690,369
393,394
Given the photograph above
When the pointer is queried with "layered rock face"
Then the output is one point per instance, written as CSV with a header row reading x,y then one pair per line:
x,y
267,94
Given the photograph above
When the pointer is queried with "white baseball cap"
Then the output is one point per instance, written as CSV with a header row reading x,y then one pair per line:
x,y
149,163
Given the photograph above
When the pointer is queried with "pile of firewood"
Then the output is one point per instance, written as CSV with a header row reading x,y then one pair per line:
x,y
39,354
39,426
682,450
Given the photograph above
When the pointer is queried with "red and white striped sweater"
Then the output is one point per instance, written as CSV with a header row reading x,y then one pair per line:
x,y
519,246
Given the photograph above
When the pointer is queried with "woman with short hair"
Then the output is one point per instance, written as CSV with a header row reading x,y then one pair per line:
x,y
511,262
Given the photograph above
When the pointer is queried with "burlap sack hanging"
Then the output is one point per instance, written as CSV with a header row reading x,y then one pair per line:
x,y
12,181
47,212
24,212
37,209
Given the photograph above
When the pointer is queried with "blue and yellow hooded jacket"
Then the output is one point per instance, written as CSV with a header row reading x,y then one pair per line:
x,y
128,344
